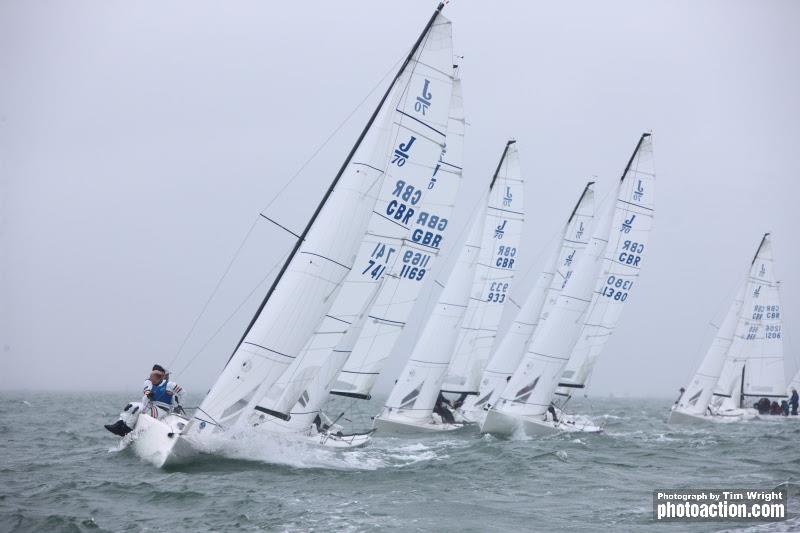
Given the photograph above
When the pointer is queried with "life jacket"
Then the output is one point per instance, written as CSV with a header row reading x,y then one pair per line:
x,y
160,393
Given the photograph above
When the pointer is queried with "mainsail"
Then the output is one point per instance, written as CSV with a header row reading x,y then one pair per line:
x,y
754,366
305,386
608,270
494,274
416,390
384,156
557,271
396,300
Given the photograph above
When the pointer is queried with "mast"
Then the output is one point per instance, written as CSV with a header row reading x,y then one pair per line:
x,y
633,155
741,387
339,174
578,204
760,245
500,163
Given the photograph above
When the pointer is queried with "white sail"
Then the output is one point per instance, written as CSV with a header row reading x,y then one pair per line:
x,y
386,157
698,394
415,391
794,384
754,366
558,270
601,321
494,274
304,388
396,300
608,269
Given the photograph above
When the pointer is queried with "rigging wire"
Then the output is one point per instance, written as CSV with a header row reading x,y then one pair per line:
x,y
275,197
230,317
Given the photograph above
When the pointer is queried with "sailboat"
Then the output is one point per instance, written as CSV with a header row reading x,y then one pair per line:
x,y
607,272
565,254
369,224
464,322
745,360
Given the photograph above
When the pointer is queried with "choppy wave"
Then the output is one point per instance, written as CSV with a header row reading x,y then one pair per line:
x,y
57,474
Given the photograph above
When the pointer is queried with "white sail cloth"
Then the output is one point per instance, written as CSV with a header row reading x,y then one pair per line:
x,y
400,293
494,274
698,394
608,270
408,136
754,364
566,253
316,376
417,388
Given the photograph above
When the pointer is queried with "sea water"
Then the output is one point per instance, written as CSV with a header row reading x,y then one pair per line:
x,y
60,470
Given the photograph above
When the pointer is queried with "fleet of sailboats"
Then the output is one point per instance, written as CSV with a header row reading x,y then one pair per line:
x,y
335,312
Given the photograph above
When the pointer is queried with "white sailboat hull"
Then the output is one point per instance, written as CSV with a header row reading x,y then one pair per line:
x,y
498,423
339,441
722,417
404,426
160,442
476,416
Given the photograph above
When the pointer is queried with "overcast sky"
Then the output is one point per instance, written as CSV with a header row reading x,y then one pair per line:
x,y
140,140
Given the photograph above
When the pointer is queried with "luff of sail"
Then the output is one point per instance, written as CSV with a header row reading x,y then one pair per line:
x,y
399,295
754,366
304,388
567,251
306,286
614,255
494,275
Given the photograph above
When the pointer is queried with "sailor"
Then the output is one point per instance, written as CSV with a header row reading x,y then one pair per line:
x,y
775,408
161,396
444,412
460,401
784,408
793,401
552,410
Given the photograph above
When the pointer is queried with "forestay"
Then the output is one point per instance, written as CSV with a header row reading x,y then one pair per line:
x,y
400,292
402,141
754,364
608,270
558,269
494,274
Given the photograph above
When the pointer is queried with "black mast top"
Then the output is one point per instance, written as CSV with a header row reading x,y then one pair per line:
x,y
500,163
633,155
583,194
339,174
760,245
